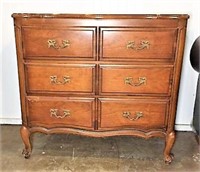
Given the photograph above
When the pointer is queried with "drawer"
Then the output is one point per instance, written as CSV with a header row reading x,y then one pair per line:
x,y
59,42
60,112
137,44
138,79
132,113
59,78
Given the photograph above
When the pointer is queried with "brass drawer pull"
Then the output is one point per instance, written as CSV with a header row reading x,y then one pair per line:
x,y
137,116
55,113
144,44
53,43
141,81
54,80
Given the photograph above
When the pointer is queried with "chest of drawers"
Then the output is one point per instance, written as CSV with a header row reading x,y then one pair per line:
x,y
99,75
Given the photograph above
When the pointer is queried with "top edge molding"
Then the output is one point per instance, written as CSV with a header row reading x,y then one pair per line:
x,y
102,16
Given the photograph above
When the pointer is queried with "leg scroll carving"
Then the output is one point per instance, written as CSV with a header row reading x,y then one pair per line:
x,y
25,134
168,156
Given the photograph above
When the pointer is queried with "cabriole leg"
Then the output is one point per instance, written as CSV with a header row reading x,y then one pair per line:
x,y
25,134
168,156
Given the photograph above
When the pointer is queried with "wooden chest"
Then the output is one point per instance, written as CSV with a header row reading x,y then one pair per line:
x,y
99,75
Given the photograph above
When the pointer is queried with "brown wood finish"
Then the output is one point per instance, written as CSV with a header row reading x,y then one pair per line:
x,y
36,42
60,112
78,78
105,133
170,138
25,134
153,114
21,74
73,70
118,39
157,79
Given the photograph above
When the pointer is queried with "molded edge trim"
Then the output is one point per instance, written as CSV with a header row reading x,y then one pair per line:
x,y
101,16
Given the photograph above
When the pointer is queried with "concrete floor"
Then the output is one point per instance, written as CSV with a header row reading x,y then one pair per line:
x,y
70,153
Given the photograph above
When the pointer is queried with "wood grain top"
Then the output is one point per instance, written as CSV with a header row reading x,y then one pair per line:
x,y
101,16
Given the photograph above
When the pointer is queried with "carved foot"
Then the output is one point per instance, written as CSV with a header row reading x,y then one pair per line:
x,y
25,134
26,153
168,156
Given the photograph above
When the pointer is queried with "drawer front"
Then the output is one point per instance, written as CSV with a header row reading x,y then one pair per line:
x,y
119,43
60,78
52,42
132,113
135,79
60,112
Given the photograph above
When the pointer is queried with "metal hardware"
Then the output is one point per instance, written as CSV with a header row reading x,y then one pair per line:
x,y
141,81
53,43
55,113
54,80
144,44
65,43
137,116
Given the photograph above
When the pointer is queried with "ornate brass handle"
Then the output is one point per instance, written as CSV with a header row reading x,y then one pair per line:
x,y
55,113
54,80
144,44
137,116
141,81
53,43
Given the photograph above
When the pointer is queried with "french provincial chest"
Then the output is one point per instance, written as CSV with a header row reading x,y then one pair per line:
x,y
99,75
